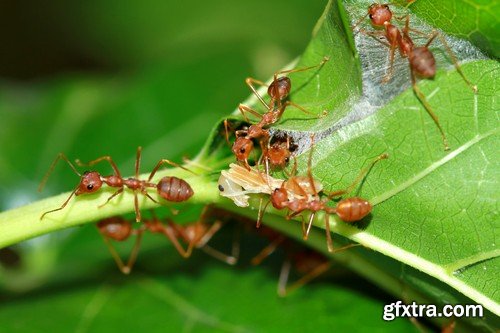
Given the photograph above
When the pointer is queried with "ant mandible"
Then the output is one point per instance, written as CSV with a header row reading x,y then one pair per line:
x,y
169,188
421,60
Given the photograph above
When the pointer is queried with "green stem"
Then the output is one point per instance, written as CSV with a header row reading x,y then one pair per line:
x,y
23,223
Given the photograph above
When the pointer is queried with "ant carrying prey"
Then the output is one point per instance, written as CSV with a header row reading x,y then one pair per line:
x,y
420,58
297,198
169,188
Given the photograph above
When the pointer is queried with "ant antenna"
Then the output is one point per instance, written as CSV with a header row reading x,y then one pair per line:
x,y
46,177
63,205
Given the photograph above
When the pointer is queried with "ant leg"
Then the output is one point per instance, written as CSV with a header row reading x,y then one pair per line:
x,y
260,215
150,197
309,224
243,108
187,160
120,190
125,269
293,172
165,161
359,22
329,241
390,72
295,70
228,259
100,159
207,236
309,167
138,161
250,83
268,250
428,108
320,269
169,232
375,35
453,59
136,207
115,255
133,255
52,166
226,128
360,177
284,275
62,206
410,2
301,108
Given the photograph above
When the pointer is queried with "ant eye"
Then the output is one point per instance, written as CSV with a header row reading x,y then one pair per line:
x,y
242,150
386,6
287,160
370,16
221,188
90,187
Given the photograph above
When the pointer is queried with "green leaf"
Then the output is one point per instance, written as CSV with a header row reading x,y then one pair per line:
x,y
477,21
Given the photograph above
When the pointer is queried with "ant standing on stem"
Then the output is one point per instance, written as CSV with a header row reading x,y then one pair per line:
x,y
421,60
169,188
278,90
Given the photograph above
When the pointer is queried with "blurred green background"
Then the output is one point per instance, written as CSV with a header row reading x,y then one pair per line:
x,y
90,78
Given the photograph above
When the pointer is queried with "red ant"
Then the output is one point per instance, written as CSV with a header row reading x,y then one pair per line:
x,y
307,198
277,154
310,264
421,60
169,188
278,90
196,235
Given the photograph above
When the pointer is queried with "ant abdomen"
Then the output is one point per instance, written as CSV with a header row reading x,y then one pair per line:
x,y
353,209
115,228
423,62
174,189
282,86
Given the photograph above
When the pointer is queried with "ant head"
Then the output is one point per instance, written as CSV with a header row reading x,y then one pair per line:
x,y
280,88
379,14
90,182
279,198
278,156
115,228
242,148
